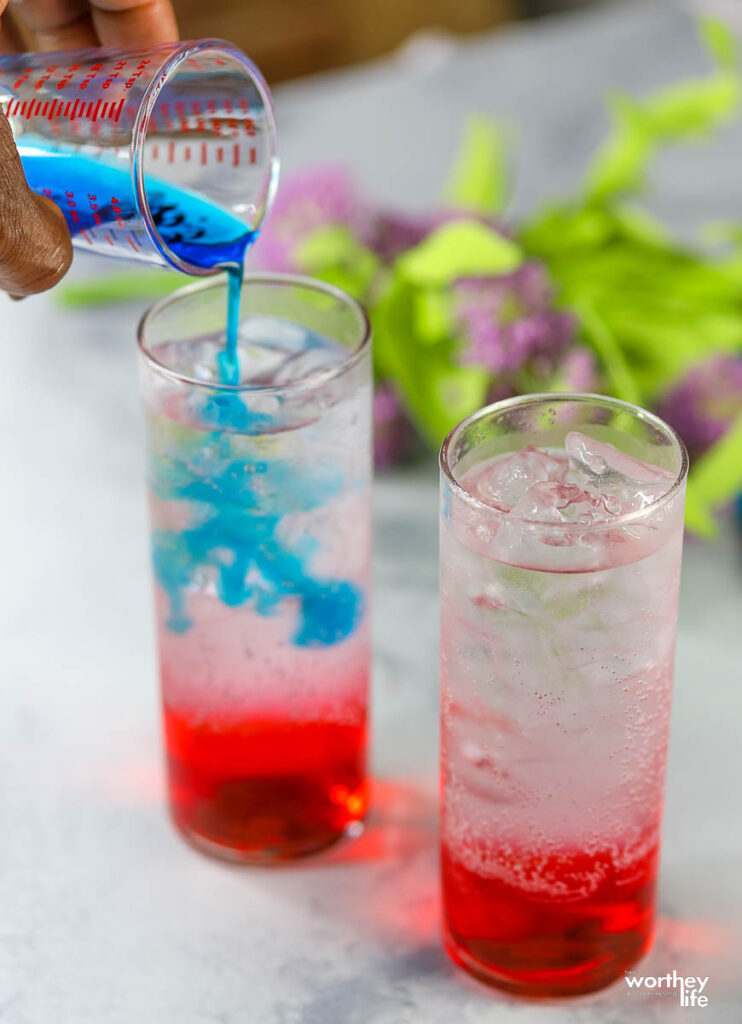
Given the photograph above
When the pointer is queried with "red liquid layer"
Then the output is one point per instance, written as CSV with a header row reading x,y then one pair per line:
x,y
264,789
538,946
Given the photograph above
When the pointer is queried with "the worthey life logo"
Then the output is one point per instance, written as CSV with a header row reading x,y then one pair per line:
x,y
690,989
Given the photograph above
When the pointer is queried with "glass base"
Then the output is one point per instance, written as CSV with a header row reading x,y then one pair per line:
x,y
519,975
276,853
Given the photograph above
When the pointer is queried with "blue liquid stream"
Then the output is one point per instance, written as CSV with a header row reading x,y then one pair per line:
x,y
196,230
238,503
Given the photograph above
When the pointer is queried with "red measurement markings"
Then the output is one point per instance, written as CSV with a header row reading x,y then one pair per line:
x,y
118,108
34,108
103,109
86,236
204,153
155,151
187,153
194,63
108,239
171,152
235,155
68,76
253,155
72,206
220,155
24,75
90,75
94,207
117,212
46,76
75,105
96,109
132,243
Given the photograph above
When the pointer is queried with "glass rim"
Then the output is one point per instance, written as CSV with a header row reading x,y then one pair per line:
x,y
178,53
311,380
564,396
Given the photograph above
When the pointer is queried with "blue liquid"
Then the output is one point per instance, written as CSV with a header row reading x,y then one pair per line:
x,y
196,230
229,367
238,505
240,502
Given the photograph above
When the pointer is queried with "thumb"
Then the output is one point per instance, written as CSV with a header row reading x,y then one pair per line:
x,y
35,245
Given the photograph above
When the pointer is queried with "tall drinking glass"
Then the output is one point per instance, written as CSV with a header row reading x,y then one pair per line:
x,y
259,498
561,538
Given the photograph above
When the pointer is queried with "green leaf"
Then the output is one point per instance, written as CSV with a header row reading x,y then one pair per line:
x,y
479,181
461,248
335,254
432,315
692,108
715,479
720,41
436,393
602,340
635,225
560,229
620,164
682,111
125,286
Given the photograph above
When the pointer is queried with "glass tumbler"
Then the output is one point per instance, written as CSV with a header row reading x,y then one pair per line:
x,y
259,500
561,537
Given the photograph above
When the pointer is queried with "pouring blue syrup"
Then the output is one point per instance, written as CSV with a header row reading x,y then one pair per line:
x,y
235,535
198,231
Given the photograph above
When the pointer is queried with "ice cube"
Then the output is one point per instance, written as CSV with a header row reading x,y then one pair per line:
x,y
302,364
553,502
273,351
505,480
602,468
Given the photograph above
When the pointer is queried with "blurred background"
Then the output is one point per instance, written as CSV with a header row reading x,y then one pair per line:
x,y
289,38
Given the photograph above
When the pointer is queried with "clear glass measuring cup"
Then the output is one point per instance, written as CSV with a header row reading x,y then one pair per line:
x,y
166,155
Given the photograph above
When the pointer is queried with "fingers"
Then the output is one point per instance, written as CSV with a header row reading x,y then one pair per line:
x,y
134,22
56,24
75,24
35,245
11,40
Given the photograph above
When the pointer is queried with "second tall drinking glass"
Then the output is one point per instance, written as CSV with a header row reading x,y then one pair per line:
x,y
259,497
561,535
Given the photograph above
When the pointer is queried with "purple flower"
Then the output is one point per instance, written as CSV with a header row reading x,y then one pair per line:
x,y
316,198
578,370
393,433
509,325
389,234
705,402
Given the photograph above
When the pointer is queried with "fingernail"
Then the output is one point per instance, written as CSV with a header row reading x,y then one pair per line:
x,y
17,298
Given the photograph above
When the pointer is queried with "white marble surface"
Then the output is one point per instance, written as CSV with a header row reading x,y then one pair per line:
x,y
105,916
